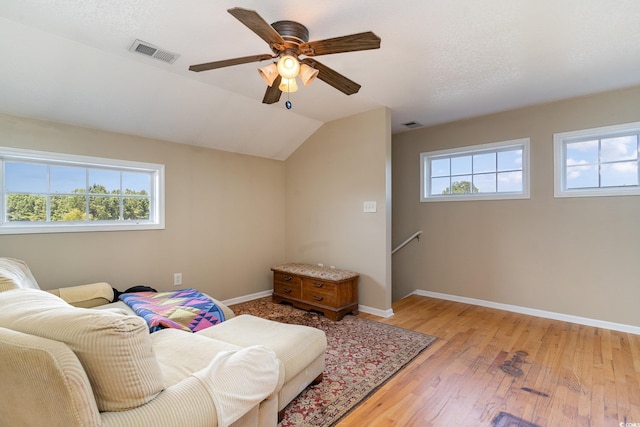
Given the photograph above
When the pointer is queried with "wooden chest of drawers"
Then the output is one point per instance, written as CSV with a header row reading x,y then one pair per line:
x,y
327,290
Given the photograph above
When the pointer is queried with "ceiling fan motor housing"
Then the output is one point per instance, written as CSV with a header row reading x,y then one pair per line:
x,y
293,33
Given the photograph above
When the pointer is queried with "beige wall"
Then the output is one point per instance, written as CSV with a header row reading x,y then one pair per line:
x,y
345,163
576,256
224,218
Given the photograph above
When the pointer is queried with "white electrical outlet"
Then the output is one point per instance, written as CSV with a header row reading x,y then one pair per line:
x,y
177,279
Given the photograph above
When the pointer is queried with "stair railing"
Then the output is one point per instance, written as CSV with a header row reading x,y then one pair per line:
x,y
415,235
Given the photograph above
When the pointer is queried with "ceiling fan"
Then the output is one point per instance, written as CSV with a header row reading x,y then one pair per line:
x,y
289,40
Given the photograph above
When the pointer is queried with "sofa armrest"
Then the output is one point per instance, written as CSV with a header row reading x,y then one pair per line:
x,y
234,383
43,383
87,296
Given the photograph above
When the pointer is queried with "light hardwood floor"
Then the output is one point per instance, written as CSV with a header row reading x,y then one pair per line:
x,y
577,375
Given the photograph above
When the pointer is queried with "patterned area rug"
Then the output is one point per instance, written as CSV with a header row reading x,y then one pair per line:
x,y
361,356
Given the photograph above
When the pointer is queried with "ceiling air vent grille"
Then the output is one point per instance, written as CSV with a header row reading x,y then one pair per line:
x,y
148,49
412,125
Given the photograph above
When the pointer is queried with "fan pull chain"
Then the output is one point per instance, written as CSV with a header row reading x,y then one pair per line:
x,y
288,103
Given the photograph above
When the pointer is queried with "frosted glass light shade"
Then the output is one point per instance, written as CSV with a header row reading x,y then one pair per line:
x,y
269,73
288,67
307,74
288,85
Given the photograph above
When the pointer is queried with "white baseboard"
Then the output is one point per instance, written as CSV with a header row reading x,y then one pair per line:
x,y
483,303
533,312
250,297
376,311
246,298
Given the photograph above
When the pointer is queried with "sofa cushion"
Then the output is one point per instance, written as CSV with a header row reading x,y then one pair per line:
x,y
114,349
180,353
237,378
296,345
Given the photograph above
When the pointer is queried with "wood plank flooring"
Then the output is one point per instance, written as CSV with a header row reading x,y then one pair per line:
x,y
485,362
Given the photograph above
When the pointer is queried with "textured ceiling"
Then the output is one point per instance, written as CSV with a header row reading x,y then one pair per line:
x,y
68,61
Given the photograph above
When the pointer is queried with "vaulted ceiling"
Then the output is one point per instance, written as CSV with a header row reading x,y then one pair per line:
x,y
69,61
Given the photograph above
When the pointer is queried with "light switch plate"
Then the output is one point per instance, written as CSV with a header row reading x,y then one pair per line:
x,y
369,207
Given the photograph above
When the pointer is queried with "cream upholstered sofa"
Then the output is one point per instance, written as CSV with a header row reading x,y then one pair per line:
x,y
94,363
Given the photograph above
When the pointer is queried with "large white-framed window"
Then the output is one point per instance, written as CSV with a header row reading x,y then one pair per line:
x,y
493,171
47,192
597,162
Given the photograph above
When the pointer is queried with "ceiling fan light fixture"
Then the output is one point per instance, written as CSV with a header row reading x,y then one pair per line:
x,y
288,66
287,41
288,85
269,73
307,74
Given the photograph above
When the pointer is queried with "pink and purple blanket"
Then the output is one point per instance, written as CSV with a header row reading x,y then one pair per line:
x,y
186,309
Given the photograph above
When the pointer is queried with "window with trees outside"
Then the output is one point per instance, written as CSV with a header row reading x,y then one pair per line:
x,y
497,170
44,192
597,162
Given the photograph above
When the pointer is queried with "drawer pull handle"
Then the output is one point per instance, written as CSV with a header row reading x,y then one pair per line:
x,y
317,298
287,278
318,285
287,291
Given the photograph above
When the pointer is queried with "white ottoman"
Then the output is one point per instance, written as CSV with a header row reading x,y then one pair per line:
x,y
300,349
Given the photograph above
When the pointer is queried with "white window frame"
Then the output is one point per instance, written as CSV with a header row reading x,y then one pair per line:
x,y
156,206
559,172
425,171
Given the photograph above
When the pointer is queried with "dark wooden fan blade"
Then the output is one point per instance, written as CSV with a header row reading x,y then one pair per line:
x,y
229,62
354,42
333,78
255,23
272,95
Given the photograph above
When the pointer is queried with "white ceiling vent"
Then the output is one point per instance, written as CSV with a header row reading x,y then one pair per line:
x,y
412,125
148,49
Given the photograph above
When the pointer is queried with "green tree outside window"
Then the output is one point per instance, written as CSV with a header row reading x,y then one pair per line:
x,y
460,187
